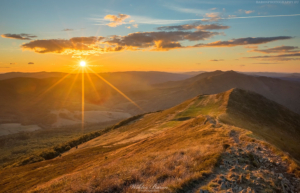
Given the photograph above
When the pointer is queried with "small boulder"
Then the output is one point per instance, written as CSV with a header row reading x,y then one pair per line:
x,y
223,186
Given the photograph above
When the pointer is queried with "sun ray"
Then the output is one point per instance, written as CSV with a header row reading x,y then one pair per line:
x,y
82,100
70,89
93,85
59,81
120,92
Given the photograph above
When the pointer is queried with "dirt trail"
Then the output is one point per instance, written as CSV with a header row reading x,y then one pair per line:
x,y
250,167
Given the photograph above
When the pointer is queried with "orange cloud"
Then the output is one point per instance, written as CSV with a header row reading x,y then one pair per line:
x,y
76,45
215,16
116,19
246,11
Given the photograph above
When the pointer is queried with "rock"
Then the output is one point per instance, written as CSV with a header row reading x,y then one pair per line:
x,y
221,166
227,184
223,186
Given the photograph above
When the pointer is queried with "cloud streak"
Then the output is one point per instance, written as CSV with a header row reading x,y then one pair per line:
x,y
243,41
21,36
154,21
280,57
194,26
67,29
278,49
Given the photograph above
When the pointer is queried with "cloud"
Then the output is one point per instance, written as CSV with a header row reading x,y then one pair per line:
x,y
135,25
243,41
154,21
215,16
67,29
215,60
284,53
12,63
213,8
187,10
280,57
30,63
75,45
116,19
162,40
246,11
278,49
194,26
128,27
21,36
242,65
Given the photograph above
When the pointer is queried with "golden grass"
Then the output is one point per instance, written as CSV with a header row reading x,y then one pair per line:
x,y
151,151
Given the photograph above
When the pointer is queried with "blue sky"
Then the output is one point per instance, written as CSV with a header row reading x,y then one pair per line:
x,y
47,19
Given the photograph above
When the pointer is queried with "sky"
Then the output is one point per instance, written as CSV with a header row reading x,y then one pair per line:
x,y
156,35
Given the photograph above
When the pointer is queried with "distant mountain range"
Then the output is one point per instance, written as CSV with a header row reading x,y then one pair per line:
x,y
168,94
28,100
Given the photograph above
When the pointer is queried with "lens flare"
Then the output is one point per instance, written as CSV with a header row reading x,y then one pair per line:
x,y
82,64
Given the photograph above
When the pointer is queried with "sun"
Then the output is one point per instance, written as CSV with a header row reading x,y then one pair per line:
x,y
82,64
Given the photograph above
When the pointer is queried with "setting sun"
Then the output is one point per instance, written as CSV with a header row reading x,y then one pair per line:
x,y
82,64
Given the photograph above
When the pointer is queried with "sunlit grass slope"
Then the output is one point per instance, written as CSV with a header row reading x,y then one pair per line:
x,y
176,148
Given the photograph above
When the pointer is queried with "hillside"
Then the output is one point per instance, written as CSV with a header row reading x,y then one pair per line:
x,y
232,141
286,93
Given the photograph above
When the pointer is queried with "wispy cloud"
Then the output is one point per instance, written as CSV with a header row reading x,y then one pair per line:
x,y
243,41
155,21
196,26
280,57
187,10
21,36
67,29
215,60
278,49
246,11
